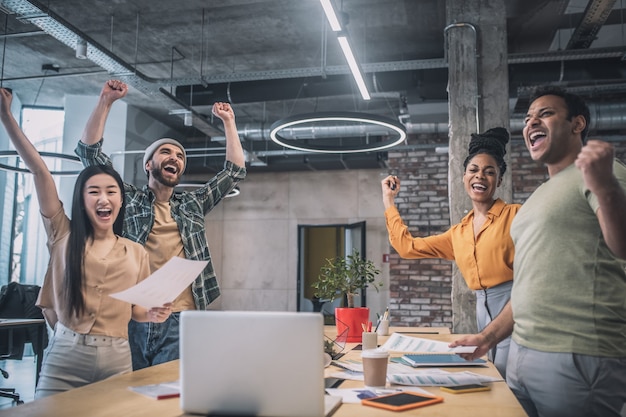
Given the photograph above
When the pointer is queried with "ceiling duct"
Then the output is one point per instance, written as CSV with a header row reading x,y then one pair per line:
x,y
291,88
241,87
34,13
605,117
41,16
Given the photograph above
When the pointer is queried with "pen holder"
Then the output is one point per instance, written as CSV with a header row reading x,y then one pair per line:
x,y
383,328
369,341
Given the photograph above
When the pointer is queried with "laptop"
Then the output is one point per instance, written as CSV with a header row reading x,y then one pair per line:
x,y
253,363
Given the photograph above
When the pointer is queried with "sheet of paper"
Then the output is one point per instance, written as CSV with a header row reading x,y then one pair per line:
x,y
464,349
357,366
431,377
159,391
164,285
401,343
439,377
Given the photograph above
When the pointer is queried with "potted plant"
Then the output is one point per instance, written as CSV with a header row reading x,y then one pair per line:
x,y
344,277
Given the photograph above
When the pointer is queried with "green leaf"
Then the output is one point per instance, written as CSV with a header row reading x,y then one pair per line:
x,y
347,275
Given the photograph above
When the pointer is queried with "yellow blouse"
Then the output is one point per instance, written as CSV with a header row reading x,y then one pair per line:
x,y
484,262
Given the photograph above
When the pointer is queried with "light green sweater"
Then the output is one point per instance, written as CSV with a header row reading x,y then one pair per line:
x,y
569,291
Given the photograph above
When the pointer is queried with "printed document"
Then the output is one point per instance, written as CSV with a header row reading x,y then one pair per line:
x,y
400,343
164,285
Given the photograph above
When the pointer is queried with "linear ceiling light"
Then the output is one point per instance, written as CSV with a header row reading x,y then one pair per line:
x,y
331,15
342,37
354,66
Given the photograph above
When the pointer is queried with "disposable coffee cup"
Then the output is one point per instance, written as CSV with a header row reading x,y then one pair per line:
x,y
383,328
369,341
375,367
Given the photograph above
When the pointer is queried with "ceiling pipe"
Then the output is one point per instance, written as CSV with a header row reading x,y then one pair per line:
x,y
604,117
39,15
477,97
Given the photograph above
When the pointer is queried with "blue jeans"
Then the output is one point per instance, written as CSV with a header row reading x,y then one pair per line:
x,y
154,343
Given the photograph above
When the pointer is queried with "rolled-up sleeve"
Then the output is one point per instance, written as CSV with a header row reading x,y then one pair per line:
x,y
92,154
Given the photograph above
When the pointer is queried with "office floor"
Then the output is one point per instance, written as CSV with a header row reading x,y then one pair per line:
x,y
21,377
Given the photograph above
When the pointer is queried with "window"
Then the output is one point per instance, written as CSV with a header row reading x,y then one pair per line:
x,y
27,254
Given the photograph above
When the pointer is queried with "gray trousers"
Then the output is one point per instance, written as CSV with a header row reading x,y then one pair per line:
x,y
72,360
489,303
566,384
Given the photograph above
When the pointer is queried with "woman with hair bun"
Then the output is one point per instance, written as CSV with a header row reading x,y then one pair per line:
x,y
480,243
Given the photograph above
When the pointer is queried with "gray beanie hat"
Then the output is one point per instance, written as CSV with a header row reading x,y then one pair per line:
x,y
154,146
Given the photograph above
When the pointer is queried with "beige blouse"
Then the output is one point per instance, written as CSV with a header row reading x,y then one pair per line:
x,y
124,266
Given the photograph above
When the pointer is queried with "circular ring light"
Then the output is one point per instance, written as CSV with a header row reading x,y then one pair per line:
x,y
71,158
367,121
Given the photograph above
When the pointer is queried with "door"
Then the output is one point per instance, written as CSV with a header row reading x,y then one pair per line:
x,y
316,243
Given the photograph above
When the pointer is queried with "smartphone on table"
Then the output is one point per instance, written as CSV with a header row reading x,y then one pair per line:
x,y
401,401
460,389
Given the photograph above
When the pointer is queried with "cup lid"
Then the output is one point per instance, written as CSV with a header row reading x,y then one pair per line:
x,y
375,353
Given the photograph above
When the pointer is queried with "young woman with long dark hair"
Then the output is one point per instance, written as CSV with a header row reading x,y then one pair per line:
x,y
88,261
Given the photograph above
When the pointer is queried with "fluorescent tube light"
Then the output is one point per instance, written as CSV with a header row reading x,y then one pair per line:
x,y
331,15
354,67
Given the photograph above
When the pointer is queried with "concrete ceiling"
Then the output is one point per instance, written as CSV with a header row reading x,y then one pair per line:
x,y
273,59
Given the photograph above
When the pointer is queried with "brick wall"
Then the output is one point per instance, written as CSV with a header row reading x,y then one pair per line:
x,y
420,289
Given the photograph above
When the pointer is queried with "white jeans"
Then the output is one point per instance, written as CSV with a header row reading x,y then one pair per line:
x,y
566,384
72,360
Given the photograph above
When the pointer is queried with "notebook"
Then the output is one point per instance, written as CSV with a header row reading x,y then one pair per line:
x,y
253,364
439,359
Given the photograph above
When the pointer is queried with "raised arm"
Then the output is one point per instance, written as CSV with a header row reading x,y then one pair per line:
x,y
391,188
595,161
47,195
234,150
94,129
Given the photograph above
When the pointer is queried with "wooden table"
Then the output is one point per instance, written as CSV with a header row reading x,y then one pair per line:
x,y
112,397
40,324
500,401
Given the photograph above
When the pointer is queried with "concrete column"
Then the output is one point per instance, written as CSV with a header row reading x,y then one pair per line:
x,y
476,51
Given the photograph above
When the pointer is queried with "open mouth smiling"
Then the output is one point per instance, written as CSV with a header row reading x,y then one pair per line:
x,y
104,213
172,169
479,187
536,136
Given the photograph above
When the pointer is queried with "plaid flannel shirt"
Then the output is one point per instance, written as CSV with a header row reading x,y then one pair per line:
x,y
188,210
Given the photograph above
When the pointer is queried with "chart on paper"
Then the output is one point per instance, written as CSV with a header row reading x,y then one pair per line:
x,y
401,343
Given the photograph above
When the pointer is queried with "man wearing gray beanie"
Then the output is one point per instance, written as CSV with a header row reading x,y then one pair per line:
x,y
156,217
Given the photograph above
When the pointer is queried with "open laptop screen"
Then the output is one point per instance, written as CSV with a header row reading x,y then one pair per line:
x,y
252,363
